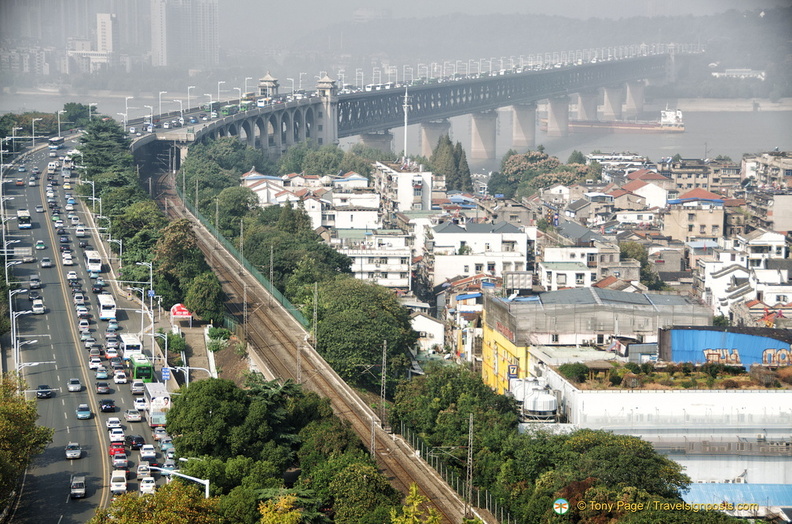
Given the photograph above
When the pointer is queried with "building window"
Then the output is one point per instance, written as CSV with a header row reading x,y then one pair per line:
x,y
486,247
548,276
571,255
491,267
561,279
702,229
554,337
781,298
716,230
691,217
479,268
465,269
690,228
579,278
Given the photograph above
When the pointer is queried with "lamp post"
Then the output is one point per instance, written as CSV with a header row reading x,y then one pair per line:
x,y
341,77
219,83
151,115
188,97
299,87
13,138
94,199
150,265
120,242
92,104
124,116
292,85
239,101
33,129
109,225
126,105
359,71
205,482
164,336
181,111
14,329
59,127
246,79
160,104
93,193
9,264
142,301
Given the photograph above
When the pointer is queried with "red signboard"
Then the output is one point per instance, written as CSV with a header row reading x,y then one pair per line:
x,y
179,311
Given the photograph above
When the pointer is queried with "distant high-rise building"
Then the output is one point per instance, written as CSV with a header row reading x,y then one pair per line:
x,y
184,33
106,33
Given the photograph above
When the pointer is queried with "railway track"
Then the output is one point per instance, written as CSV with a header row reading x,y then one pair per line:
x,y
279,341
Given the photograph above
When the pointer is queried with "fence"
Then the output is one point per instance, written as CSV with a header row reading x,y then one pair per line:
x,y
276,295
482,498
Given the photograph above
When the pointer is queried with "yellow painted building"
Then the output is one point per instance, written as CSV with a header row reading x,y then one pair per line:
x,y
501,358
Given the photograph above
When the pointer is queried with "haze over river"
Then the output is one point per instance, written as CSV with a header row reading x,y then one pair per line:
x,y
708,133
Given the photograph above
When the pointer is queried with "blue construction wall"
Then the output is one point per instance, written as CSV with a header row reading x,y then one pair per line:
x,y
700,346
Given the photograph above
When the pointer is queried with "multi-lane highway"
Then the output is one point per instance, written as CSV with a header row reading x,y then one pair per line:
x,y
51,353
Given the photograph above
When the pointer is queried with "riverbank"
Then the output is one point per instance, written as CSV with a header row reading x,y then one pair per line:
x,y
705,105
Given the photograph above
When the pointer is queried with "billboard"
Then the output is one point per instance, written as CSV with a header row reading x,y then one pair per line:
x,y
729,347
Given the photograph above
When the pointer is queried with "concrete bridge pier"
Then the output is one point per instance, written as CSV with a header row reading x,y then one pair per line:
x,y
382,141
635,99
613,104
558,116
483,134
524,126
587,105
431,133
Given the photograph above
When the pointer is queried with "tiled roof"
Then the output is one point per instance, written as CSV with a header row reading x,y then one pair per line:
x,y
700,193
633,185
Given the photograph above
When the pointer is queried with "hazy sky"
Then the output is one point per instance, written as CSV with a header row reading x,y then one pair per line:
x,y
255,20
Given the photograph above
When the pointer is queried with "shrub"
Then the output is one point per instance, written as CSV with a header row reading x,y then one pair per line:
x,y
736,370
763,377
216,345
631,381
688,384
671,369
687,368
633,367
730,384
219,333
614,378
647,368
576,372
713,369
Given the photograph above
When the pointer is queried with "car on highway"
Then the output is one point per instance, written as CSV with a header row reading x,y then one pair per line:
x,y
43,391
79,299
46,262
95,363
19,182
84,324
82,312
143,470
111,353
67,260
69,207
147,485
116,448
28,259
169,465
83,412
102,388
39,208
148,452
38,307
72,275
113,422
159,433
141,404
35,282
77,487
132,415
135,441
165,444
102,373
107,405
120,377
96,288
85,335
34,295
120,461
112,326
138,388
116,435
74,385
40,245
73,450
118,483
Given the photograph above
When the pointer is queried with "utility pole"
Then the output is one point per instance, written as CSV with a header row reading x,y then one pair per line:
x,y
383,382
271,272
315,308
241,241
373,439
469,497
245,311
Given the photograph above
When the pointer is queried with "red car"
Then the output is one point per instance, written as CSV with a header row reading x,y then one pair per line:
x,y
116,448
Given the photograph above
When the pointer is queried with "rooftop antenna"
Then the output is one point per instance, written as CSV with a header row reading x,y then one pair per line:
x,y
406,108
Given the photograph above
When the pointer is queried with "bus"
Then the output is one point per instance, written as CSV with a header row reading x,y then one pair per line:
x,y
55,143
130,345
141,368
159,401
246,105
23,219
93,261
210,107
230,109
107,306
263,102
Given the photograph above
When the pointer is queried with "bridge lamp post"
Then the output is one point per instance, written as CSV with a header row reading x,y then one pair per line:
x,y
188,97
341,77
151,114
246,79
13,138
59,122
239,92
33,128
160,104
126,105
181,109
376,75
92,104
124,116
359,71
292,85
219,83
120,242
299,81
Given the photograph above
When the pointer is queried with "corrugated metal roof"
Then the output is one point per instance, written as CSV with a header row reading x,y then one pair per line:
x,y
467,296
762,494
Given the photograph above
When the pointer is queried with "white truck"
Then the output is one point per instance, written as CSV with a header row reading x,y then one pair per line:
x,y
159,403
118,482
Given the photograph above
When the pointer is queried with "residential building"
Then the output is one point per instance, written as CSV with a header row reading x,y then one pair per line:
x,y
770,210
184,33
379,256
771,171
405,187
696,215
760,246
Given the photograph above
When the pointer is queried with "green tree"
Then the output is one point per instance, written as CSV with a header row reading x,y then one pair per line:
x,y
280,511
177,254
205,297
638,252
413,511
175,503
361,494
20,438
292,160
576,157
464,182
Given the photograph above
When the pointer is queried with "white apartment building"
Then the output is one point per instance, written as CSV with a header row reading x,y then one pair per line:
x,y
405,187
379,256
760,245
470,249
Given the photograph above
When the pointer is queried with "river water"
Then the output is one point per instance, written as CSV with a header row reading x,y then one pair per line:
x,y
707,133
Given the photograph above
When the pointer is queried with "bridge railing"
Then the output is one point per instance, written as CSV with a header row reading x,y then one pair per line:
x,y
276,295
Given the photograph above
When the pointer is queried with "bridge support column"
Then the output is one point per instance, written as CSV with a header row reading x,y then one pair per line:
x,y
524,126
635,99
483,135
431,133
587,105
613,104
381,141
558,116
